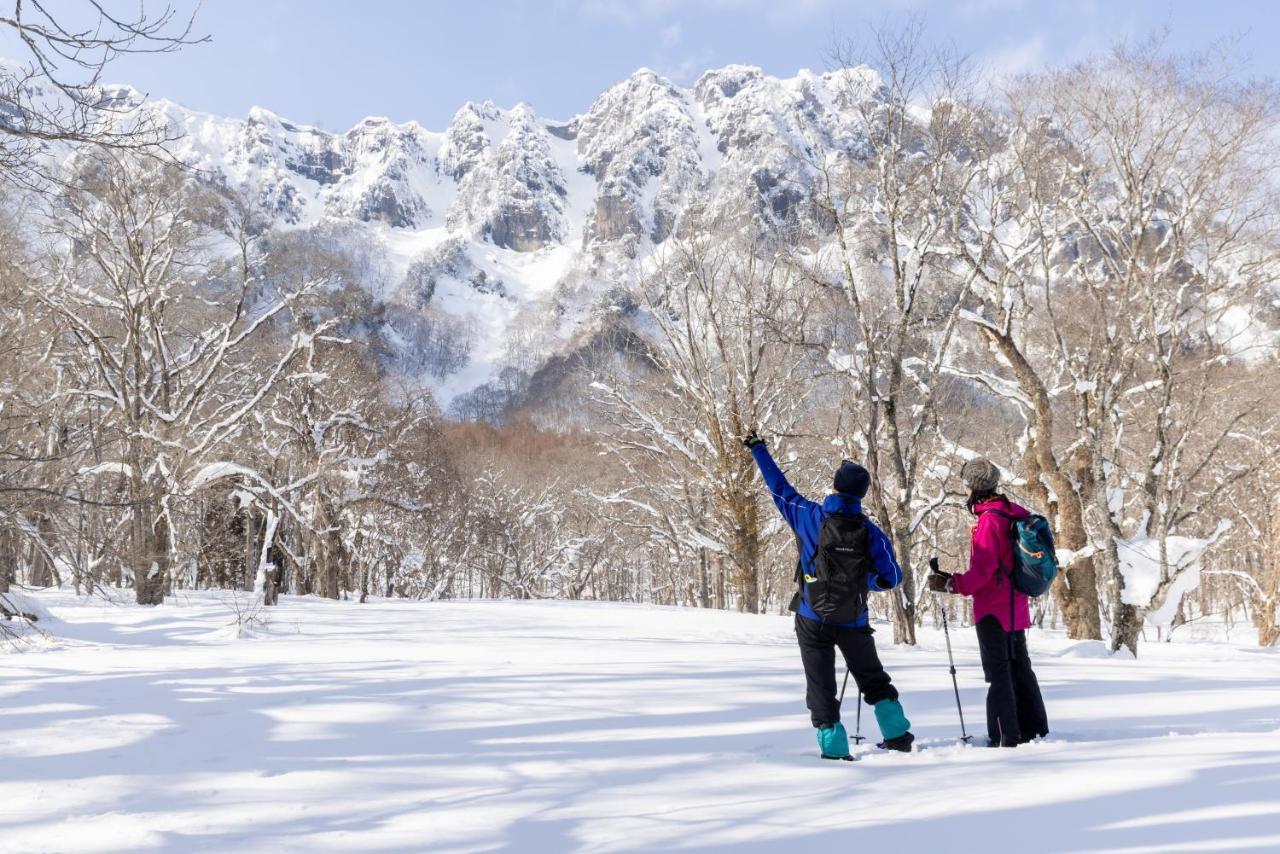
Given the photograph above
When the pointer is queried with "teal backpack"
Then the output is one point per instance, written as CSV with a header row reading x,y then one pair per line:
x,y
1035,563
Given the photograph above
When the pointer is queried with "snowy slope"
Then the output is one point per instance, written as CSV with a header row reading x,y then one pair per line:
x,y
521,222
480,726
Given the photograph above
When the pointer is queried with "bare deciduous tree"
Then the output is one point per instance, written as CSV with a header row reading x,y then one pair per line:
x,y
716,374
899,290
1125,230
57,96
165,367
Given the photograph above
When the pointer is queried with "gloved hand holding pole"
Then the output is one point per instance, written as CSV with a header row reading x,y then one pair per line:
x,y
938,581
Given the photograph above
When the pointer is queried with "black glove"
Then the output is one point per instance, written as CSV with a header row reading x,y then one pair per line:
x,y
751,440
939,582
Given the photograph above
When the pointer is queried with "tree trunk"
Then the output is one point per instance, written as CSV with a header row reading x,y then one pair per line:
x,y
1077,592
251,552
1126,624
1076,589
326,551
41,572
720,599
744,512
8,558
1080,611
748,578
704,588
1267,615
326,570
150,558
274,575
904,603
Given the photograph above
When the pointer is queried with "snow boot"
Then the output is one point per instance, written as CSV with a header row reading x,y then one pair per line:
x,y
833,741
902,743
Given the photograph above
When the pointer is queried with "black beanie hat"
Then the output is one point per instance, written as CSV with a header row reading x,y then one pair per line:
x,y
852,479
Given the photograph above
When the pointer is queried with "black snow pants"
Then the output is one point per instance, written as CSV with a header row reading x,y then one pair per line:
x,y
1015,709
818,643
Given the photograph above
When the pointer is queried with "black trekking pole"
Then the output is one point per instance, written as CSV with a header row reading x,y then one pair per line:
x,y
955,685
858,737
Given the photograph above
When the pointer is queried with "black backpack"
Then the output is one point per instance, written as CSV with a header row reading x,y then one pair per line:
x,y
837,589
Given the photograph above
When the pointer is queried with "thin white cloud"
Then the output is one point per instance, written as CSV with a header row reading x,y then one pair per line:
x,y
687,69
1001,66
676,62
626,11
982,8
633,10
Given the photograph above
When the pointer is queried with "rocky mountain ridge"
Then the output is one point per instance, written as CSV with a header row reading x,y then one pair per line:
x,y
517,226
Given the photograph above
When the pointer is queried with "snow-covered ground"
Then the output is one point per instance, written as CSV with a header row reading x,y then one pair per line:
x,y
481,726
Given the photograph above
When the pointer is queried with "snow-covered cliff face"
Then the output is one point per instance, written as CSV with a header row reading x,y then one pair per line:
x,y
650,150
517,227
511,190
623,173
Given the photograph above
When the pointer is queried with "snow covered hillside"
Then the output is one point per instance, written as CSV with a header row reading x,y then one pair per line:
x,y
480,726
520,227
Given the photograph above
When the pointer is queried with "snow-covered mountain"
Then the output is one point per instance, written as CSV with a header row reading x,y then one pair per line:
x,y
518,227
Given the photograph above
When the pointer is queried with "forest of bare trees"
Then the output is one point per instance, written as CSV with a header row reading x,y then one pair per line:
x,y
1074,275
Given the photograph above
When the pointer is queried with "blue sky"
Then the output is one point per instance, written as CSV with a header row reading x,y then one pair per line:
x,y
332,62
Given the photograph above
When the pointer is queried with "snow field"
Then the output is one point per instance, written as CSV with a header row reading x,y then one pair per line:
x,y
541,726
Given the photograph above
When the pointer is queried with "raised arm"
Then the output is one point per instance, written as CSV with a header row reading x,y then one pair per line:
x,y
791,504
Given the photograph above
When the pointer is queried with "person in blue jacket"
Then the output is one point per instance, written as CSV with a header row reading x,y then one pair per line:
x,y
819,638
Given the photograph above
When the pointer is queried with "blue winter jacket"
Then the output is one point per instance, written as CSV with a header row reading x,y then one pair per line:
x,y
805,518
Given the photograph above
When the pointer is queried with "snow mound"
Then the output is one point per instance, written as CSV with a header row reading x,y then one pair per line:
x,y
1086,649
1148,578
18,602
248,630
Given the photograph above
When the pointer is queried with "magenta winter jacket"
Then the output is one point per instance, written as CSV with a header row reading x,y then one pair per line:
x,y
987,580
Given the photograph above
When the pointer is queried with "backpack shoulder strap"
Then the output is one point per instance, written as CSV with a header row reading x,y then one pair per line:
x,y
1008,517
799,560
799,594
861,518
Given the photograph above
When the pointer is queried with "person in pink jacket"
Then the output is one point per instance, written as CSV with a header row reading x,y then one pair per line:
x,y
1015,708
